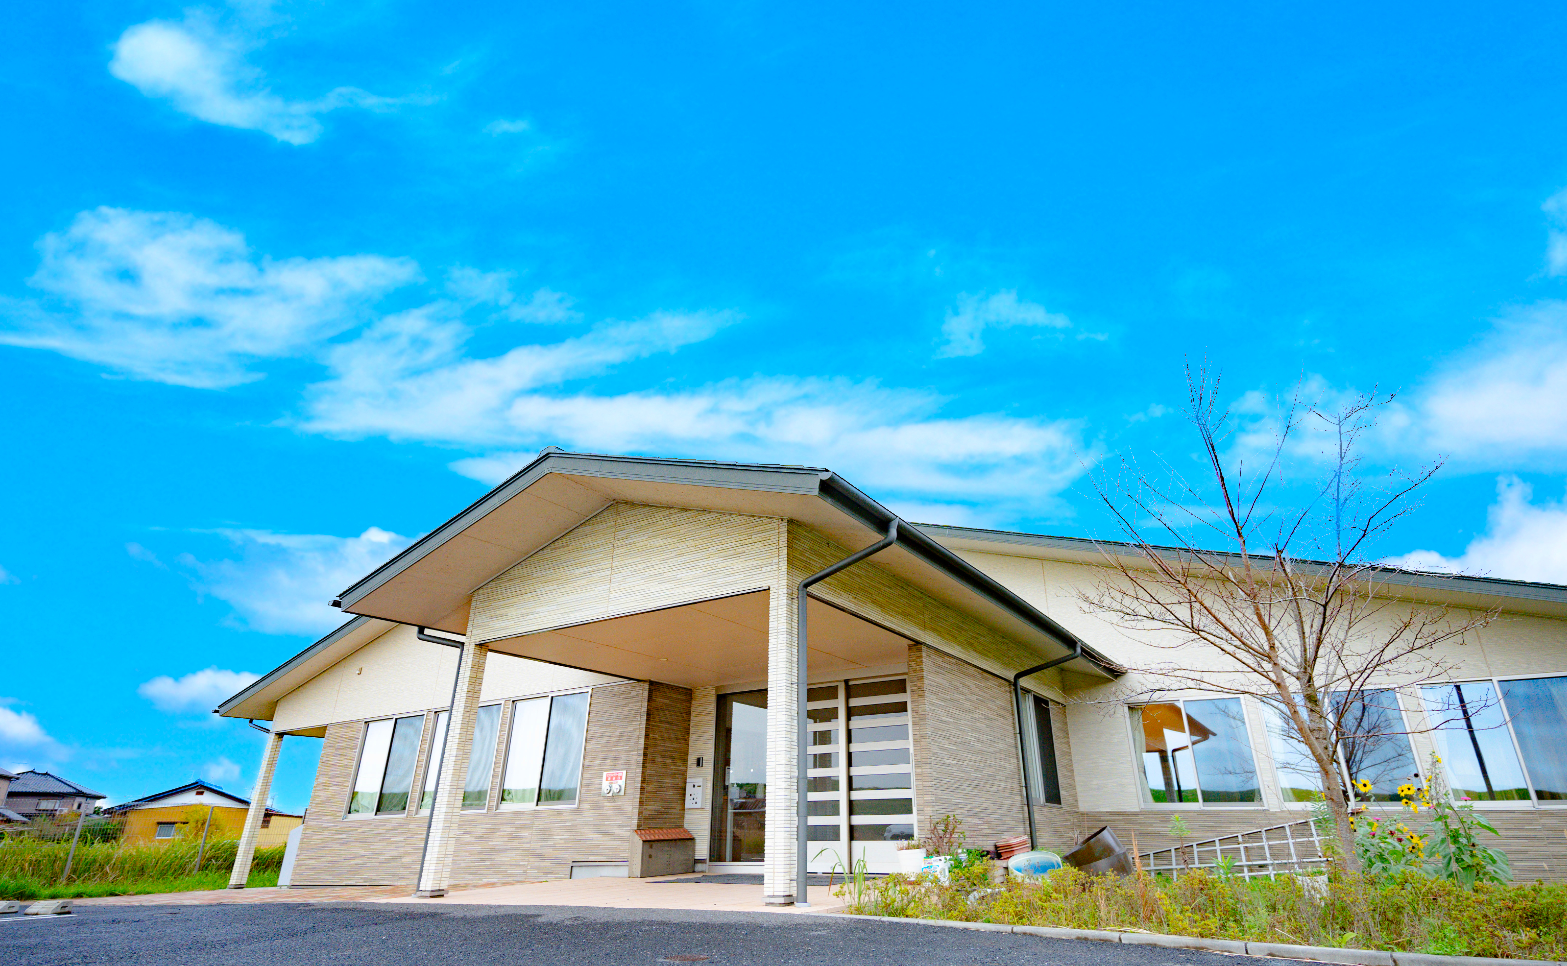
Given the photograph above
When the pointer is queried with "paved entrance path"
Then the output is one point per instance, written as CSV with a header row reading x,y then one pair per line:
x,y
670,892
388,934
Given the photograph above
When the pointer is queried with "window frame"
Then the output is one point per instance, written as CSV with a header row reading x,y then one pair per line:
x,y
157,831
1144,794
359,762
1039,704
1410,732
1495,681
503,748
502,719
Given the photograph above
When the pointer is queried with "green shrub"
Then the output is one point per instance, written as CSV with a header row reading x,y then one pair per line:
x,y
1409,912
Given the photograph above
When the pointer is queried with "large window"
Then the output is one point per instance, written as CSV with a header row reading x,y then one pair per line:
x,y
544,752
1040,748
1374,747
385,776
481,759
432,764
1502,740
1196,752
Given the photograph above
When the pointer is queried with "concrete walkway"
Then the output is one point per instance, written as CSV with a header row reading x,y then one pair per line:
x,y
669,892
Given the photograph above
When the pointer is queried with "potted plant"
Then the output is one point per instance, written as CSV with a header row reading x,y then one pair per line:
x,y
911,857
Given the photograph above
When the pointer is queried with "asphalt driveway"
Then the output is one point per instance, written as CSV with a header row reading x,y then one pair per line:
x,y
386,935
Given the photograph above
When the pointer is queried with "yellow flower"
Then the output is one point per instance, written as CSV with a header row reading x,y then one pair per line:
x,y
1406,790
1363,785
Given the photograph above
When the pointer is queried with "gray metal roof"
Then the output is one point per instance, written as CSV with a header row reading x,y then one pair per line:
x,y
1080,547
798,482
42,783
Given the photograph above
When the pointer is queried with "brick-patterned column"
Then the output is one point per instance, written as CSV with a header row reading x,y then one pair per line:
x,y
435,872
258,811
783,721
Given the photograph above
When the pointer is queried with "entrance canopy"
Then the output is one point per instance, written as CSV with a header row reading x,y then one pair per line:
x,y
712,643
432,582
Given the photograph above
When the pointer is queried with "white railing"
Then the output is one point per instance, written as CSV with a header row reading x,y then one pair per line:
x,y
1296,847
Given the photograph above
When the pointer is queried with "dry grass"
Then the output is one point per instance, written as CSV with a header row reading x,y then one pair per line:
x,y
32,869
1412,913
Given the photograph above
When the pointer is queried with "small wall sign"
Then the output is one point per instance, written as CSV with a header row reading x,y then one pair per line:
x,y
614,783
694,793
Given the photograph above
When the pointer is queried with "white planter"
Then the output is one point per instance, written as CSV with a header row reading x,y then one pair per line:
x,y
911,861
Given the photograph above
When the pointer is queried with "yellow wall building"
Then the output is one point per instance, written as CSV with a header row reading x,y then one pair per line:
x,y
183,813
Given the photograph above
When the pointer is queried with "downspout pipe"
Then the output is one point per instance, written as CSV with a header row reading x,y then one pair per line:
x,y
456,677
1022,741
802,844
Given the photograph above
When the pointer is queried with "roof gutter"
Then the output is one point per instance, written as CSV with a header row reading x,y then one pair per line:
x,y
845,497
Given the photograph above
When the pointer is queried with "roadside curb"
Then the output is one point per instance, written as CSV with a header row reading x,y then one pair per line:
x,y
1235,947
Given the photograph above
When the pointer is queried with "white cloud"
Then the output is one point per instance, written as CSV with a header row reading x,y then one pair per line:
x,y
474,287
504,126
200,68
1505,399
1523,541
196,691
6,577
139,552
965,325
172,298
20,729
283,583
1555,208
894,440
406,376
220,771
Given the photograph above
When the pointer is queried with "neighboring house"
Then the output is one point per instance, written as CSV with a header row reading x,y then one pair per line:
x,y
6,814
612,645
35,794
183,812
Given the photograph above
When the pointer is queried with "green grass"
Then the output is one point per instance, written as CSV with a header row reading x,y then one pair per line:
x,y
27,889
31,869
1410,913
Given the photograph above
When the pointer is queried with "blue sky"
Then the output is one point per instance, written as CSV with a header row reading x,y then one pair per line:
x,y
283,285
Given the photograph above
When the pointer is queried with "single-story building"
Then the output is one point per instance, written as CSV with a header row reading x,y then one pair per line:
x,y
196,808
34,794
602,645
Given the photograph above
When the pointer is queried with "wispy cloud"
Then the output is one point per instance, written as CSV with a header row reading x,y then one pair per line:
x,y
198,691
172,298
198,64
504,126
965,325
283,583
1555,208
139,552
6,577
895,440
1524,540
408,376
220,771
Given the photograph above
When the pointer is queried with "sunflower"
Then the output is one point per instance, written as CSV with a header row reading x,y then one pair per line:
x,y
1406,790
1363,785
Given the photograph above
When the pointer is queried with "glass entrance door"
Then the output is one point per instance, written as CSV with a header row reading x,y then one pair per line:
x,y
859,782
740,805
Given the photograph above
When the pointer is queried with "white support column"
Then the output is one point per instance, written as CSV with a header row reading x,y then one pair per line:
x,y
435,871
783,721
258,811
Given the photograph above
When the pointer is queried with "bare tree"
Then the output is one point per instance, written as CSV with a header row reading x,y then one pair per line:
x,y
1253,595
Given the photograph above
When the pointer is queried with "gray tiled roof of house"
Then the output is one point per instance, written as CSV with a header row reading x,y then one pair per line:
x,y
6,774
43,783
